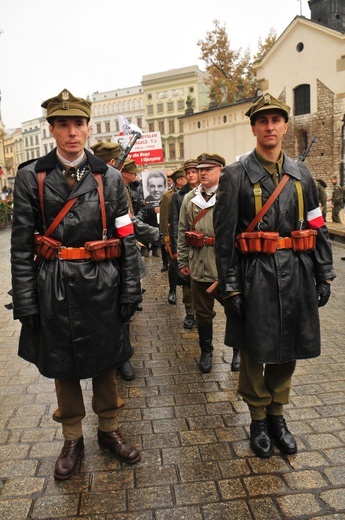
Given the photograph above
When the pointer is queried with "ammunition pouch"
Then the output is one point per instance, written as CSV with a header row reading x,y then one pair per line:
x,y
257,242
46,247
98,250
198,239
104,249
269,241
304,239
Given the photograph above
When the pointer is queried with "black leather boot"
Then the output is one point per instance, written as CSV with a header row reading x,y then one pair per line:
x,y
283,438
205,341
235,363
260,440
172,286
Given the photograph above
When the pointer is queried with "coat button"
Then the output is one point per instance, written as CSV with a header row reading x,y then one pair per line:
x,y
70,214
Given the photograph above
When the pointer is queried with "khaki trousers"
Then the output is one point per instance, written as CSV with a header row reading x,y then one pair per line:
x,y
265,387
106,403
203,302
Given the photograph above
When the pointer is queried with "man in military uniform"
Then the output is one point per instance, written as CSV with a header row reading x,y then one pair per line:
x,y
74,300
192,176
196,252
178,177
337,200
273,276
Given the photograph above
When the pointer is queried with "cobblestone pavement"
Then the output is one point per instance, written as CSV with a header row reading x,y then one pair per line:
x,y
192,428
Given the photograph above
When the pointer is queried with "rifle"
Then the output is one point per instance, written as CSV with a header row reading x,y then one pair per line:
x,y
305,152
121,159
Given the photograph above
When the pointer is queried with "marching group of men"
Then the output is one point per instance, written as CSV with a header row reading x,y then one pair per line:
x,y
254,226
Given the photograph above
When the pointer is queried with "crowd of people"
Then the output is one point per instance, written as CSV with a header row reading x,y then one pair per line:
x,y
251,234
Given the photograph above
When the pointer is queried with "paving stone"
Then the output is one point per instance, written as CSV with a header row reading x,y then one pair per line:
x,y
192,428
299,505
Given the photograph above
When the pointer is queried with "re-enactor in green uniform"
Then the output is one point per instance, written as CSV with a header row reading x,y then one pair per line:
x,y
271,299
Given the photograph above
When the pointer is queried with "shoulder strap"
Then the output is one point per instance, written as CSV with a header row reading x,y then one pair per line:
x,y
268,203
204,211
69,204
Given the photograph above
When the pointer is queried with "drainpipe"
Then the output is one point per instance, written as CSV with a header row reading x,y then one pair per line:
x,y
342,162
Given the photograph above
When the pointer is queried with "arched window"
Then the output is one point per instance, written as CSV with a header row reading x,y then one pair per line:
x,y
302,100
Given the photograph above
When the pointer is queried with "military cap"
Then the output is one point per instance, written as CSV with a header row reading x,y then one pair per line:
x,y
190,163
177,173
106,151
208,160
267,102
67,105
129,166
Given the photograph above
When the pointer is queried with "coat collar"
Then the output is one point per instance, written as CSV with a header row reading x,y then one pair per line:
x,y
48,162
199,200
256,172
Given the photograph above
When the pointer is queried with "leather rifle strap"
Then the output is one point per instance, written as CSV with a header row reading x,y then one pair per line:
x,y
268,203
69,204
204,211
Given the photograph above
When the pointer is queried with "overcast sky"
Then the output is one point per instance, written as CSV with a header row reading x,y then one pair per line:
x,y
88,46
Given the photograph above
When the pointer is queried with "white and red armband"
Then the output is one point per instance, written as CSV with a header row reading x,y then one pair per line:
x,y
123,226
315,219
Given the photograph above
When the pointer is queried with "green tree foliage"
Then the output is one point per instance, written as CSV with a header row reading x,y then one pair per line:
x,y
230,71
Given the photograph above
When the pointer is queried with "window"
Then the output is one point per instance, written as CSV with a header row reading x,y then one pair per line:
x,y
44,133
117,127
160,108
172,151
161,127
151,127
180,105
150,110
170,106
107,126
98,128
181,150
180,123
31,141
140,122
45,149
36,139
302,100
171,126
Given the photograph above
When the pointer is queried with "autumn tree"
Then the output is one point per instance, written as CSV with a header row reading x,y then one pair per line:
x,y
264,47
230,71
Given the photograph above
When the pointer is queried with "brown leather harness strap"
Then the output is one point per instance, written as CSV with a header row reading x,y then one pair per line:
x,y
268,203
69,204
204,211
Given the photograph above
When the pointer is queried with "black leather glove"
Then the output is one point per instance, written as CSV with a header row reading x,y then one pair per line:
x,y
32,321
127,310
234,306
323,291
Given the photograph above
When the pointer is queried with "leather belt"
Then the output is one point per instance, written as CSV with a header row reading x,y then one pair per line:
x,y
73,253
208,241
284,243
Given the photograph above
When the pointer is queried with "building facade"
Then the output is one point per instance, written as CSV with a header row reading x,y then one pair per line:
x,y
106,108
305,68
167,97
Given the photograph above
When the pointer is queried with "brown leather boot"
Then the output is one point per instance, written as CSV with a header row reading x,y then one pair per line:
x,y
67,461
122,450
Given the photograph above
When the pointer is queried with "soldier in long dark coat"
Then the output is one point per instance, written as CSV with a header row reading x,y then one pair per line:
x,y
271,298
74,304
